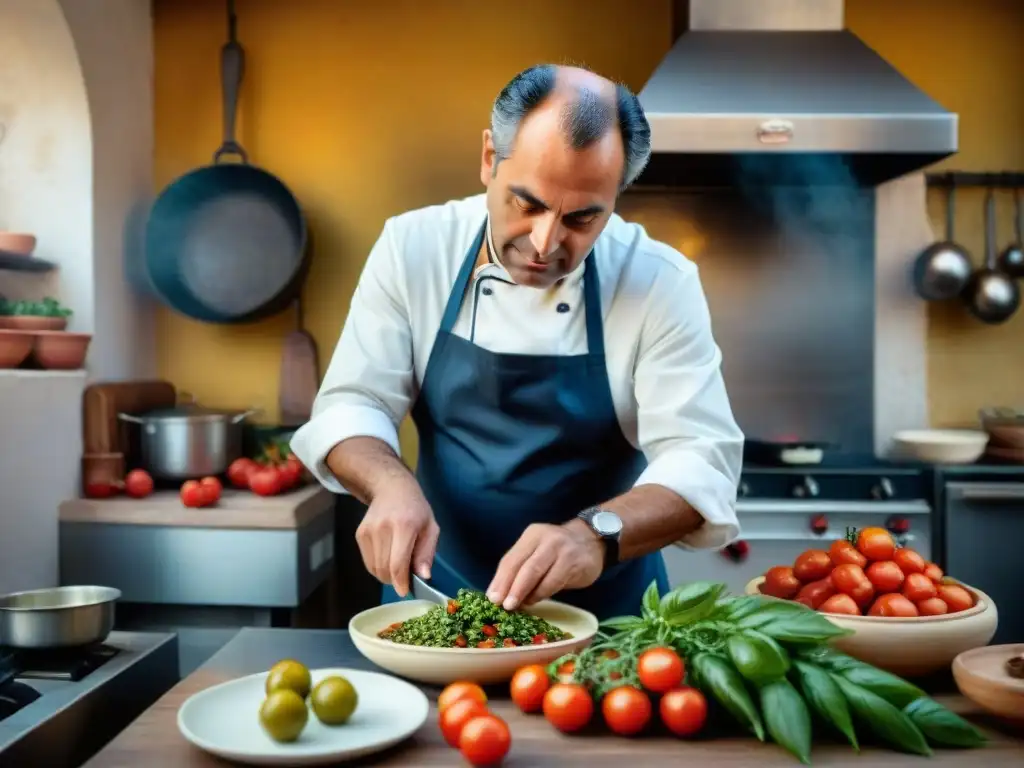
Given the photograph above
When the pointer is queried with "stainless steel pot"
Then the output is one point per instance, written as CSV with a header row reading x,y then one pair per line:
x,y
189,441
63,617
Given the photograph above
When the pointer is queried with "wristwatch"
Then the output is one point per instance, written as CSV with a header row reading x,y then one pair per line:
x,y
607,526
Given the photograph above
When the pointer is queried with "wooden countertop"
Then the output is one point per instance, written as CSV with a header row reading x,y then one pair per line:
x,y
236,509
153,739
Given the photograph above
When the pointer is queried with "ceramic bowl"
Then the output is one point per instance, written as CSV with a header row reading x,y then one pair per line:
x,y
14,348
440,666
981,676
941,446
913,647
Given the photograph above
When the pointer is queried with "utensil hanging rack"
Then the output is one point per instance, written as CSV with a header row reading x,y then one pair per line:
x,y
990,180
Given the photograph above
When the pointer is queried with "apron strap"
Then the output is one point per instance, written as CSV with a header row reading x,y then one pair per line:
x,y
591,295
451,310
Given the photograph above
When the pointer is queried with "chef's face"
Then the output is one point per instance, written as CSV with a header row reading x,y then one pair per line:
x,y
548,202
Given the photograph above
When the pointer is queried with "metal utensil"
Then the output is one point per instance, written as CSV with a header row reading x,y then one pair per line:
x,y
1011,260
991,295
423,590
942,270
300,375
63,617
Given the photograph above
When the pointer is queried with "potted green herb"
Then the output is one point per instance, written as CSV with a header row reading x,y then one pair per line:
x,y
45,315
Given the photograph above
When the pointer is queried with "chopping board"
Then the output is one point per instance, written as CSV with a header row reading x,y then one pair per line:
x,y
102,431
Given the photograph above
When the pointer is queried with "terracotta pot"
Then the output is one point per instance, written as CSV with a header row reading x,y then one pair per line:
x,y
33,323
17,243
14,348
60,350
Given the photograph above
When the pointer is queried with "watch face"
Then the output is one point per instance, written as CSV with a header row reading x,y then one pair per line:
x,y
606,523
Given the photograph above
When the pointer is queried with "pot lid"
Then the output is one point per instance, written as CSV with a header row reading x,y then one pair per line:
x,y
191,412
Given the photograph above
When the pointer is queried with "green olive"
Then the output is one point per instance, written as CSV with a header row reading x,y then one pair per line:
x,y
289,675
283,715
334,699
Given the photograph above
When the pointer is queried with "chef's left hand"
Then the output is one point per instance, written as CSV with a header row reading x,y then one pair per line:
x,y
546,560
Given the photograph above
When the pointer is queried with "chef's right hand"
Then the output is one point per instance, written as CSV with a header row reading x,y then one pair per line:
x,y
398,534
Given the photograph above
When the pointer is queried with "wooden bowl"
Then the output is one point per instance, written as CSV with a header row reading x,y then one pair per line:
x,y
981,676
941,446
913,647
17,243
60,350
440,666
15,346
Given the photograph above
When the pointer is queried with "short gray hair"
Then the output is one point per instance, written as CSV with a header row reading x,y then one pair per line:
x,y
585,119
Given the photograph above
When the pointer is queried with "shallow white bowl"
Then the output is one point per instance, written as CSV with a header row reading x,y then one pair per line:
x,y
916,646
224,721
440,666
941,446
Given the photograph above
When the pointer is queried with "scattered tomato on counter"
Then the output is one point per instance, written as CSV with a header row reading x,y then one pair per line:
x,y
266,481
101,490
867,574
239,471
193,494
626,710
529,684
211,488
660,669
467,724
683,711
138,484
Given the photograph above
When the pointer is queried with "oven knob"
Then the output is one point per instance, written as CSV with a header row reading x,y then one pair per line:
x,y
737,551
819,525
898,525
807,489
743,490
884,490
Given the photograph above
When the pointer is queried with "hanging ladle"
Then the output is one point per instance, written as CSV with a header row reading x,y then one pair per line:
x,y
991,295
942,270
1011,260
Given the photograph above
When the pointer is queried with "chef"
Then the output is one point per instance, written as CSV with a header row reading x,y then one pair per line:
x,y
559,365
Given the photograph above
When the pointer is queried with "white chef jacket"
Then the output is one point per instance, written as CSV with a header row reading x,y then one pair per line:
x,y
664,368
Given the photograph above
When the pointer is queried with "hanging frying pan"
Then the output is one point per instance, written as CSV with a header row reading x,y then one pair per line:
x,y
226,243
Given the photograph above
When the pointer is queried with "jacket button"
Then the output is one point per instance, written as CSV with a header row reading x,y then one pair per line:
x,y
563,308
486,291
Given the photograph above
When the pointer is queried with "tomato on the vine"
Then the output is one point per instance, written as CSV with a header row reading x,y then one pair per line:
x,y
485,740
568,706
528,686
626,710
876,544
660,669
843,552
239,471
683,711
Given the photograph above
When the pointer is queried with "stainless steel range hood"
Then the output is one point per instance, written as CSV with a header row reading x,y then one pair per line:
x,y
779,92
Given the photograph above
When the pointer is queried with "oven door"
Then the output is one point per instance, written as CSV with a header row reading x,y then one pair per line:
x,y
982,533
775,531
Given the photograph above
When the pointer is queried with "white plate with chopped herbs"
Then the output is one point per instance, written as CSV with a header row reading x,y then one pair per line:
x,y
469,639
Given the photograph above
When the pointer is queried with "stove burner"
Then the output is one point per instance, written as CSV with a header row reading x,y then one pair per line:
x,y
70,664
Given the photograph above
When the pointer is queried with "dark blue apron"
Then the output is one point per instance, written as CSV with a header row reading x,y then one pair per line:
x,y
506,440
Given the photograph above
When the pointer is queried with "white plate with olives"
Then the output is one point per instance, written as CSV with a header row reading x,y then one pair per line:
x,y
295,716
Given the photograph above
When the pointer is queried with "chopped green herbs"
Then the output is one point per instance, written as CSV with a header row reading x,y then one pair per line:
x,y
470,620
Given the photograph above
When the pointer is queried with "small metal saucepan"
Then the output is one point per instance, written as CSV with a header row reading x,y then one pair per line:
x,y
991,295
942,270
189,441
63,617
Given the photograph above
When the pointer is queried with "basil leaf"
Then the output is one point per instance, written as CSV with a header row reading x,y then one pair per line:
x,y
787,718
825,698
690,604
736,608
883,719
718,678
651,601
940,726
760,611
894,690
623,623
806,626
757,657
828,658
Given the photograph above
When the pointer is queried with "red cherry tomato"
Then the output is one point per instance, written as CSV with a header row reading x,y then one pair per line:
x,y
453,719
138,484
211,490
660,669
813,565
265,481
683,711
485,740
528,686
568,706
626,710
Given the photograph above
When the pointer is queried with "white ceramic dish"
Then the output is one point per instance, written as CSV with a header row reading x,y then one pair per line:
x,y
440,666
224,721
912,647
941,446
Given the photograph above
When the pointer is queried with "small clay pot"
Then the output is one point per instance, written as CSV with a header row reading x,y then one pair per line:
x,y
14,347
17,243
33,323
60,350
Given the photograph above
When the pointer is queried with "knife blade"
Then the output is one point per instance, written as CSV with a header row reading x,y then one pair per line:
x,y
424,590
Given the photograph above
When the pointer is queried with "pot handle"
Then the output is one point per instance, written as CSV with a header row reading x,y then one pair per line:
x,y
240,417
186,398
129,417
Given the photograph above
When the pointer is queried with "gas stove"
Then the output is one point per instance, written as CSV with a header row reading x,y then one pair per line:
x,y
57,708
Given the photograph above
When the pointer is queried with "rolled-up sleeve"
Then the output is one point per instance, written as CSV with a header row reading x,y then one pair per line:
x,y
685,424
369,383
